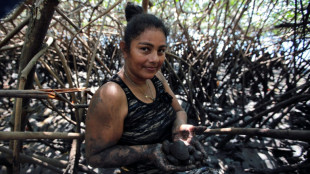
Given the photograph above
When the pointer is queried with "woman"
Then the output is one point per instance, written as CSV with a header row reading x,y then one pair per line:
x,y
131,115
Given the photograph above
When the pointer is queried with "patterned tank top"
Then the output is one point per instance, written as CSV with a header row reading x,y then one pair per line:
x,y
147,123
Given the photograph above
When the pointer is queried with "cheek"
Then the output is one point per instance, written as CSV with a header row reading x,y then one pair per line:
x,y
161,61
136,59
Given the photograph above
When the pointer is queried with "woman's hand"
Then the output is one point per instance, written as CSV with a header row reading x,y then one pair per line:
x,y
187,132
158,158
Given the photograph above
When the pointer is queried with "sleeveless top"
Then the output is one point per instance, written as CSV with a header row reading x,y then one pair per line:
x,y
147,123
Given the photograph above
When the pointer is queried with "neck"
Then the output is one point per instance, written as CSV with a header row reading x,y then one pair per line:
x,y
135,81
146,92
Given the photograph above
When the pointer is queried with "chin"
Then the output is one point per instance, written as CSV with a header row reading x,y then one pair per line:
x,y
150,75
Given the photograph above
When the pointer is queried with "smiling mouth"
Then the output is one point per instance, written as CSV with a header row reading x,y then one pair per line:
x,y
151,68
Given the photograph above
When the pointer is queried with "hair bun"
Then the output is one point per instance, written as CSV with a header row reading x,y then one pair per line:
x,y
132,10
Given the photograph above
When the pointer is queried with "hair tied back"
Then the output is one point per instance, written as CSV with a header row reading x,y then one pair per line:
x,y
132,10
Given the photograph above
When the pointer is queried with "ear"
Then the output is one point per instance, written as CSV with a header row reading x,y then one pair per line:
x,y
124,49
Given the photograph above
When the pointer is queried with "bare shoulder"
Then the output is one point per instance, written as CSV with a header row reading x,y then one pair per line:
x,y
108,94
175,104
111,91
161,77
105,116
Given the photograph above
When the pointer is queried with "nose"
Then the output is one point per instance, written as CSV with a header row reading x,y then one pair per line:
x,y
154,57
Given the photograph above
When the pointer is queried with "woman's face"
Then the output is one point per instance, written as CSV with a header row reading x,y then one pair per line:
x,y
146,54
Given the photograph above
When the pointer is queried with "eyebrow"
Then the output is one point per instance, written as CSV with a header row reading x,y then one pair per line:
x,y
148,44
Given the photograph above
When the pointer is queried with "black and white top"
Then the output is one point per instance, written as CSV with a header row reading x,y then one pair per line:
x,y
147,123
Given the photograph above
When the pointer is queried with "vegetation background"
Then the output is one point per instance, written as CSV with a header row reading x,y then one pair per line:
x,y
242,64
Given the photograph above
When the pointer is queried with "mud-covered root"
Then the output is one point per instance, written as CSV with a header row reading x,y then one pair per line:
x,y
166,147
179,150
173,160
198,155
180,154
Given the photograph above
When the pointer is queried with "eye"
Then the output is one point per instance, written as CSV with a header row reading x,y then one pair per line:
x,y
145,49
161,51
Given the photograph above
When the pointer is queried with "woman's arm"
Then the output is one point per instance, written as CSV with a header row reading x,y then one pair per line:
x,y
117,156
182,130
104,127
181,116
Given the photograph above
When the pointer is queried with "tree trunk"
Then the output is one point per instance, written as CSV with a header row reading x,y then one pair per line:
x,y
42,14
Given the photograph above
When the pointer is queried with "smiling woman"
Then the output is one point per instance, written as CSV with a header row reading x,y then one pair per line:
x,y
131,115
145,56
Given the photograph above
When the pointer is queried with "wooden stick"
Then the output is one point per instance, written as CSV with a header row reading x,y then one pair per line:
x,y
67,69
145,3
93,54
282,104
19,10
49,163
303,135
32,159
10,47
41,93
15,31
52,73
100,15
67,19
24,94
18,109
33,61
39,135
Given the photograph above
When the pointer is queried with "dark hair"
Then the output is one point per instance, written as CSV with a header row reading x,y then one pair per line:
x,y
138,21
